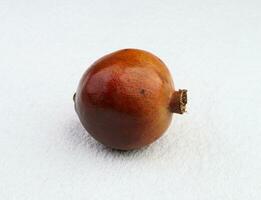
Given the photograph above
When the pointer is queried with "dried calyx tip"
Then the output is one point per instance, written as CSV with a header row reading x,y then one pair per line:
x,y
178,101
183,100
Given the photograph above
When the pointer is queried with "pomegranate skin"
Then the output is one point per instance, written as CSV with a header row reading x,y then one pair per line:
x,y
123,99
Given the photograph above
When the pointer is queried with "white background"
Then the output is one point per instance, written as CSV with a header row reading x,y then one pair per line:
x,y
212,48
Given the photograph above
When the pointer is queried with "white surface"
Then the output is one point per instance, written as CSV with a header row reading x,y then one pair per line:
x,y
212,48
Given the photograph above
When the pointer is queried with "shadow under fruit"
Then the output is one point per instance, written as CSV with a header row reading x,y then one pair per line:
x,y
126,99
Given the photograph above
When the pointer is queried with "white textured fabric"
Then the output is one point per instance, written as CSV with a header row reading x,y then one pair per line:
x,y
212,48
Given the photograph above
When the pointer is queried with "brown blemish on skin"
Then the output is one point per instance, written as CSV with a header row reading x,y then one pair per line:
x,y
142,91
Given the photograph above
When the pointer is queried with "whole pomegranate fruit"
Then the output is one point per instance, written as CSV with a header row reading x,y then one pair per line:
x,y
125,100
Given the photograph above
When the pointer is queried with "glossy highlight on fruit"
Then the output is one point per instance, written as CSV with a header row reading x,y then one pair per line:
x,y
126,99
